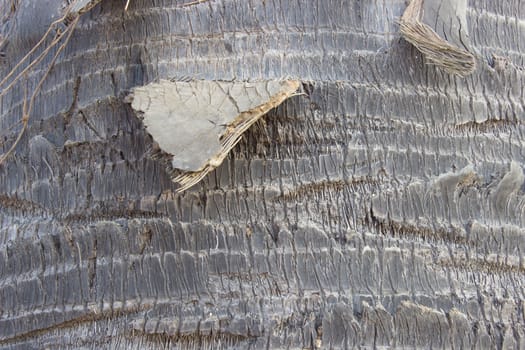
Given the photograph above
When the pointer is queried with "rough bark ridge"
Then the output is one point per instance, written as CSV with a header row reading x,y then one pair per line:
x,y
383,209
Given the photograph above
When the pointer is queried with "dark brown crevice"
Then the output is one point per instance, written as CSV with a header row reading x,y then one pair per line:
x,y
194,341
145,239
489,125
14,203
389,227
110,214
69,113
92,268
326,186
90,316
482,265
89,125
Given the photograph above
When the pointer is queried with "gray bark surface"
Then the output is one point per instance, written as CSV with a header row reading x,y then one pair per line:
x,y
384,209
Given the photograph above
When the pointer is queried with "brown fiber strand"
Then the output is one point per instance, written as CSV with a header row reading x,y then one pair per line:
x,y
234,133
437,51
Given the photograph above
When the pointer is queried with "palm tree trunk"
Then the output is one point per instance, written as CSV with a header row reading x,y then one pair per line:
x,y
383,207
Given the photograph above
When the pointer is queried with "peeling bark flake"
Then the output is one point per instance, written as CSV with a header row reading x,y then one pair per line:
x,y
438,28
199,122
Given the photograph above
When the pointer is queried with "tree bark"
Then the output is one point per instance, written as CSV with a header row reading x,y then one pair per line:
x,y
383,208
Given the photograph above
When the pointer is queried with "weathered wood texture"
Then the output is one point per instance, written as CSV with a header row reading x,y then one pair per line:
x,y
383,209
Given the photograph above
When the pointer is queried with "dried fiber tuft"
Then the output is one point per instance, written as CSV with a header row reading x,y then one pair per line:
x,y
437,51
